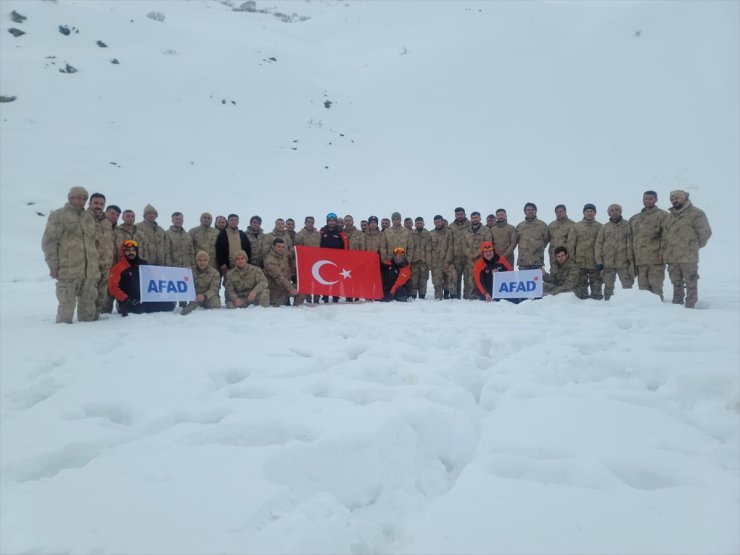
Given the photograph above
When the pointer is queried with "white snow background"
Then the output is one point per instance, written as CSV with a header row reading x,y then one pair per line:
x,y
556,426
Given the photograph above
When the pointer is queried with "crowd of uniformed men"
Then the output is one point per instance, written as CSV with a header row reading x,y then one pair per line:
x,y
94,253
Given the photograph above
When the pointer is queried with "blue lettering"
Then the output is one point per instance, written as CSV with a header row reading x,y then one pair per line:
x,y
171,287
531,286
520,287
152,287
182,286
162,285
503,288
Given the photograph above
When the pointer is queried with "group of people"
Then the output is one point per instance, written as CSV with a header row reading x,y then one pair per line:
x,y
94,253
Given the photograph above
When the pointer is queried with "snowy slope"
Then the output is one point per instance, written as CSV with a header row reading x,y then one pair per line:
x,y
551,427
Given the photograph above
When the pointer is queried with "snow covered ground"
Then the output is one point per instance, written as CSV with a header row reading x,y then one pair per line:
x,y
556,426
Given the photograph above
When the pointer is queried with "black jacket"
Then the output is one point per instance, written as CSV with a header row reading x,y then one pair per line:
x,y
222,247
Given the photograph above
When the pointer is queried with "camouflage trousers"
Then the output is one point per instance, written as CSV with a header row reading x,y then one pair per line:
x,y
444,281
471,289
214,302
591,278
79,292
281,297
455,276
419,279
103,299
650,277
685,279
262,299
529,267
610,277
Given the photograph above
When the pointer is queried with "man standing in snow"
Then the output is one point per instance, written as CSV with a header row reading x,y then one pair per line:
x,y
458,227
153,237
504,237
70,252
472,238
686,231
105,242
582,249
613,251
647,240
204,238
559,229
178,245
532,235
231,240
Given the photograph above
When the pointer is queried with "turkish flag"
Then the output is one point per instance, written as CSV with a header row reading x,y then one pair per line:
x,y
338,272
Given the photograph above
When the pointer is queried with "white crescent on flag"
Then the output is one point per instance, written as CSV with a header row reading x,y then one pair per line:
x,y
317,276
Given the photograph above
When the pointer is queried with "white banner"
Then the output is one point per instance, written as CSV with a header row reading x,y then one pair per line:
x,y
524,284
162,283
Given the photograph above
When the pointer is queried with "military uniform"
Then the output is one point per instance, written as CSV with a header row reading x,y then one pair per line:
x,y
582,250
532,238
240,282
613,249
647,244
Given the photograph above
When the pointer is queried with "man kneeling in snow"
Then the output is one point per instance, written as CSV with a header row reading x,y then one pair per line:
x,y
564,276
207,284
123,283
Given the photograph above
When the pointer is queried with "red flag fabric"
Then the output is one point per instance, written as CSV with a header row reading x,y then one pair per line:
x,y
338,273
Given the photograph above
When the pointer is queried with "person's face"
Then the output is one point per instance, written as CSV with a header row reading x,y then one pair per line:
x,y
363,225
255,225
129,218
177,220
475,220
112,215
279,248
648,201
290,225
614,212
202,262
439,224
331,222
78,201
205,220
589,214
398,258
309,224
233,222
408,223
677,201
129,253
419,224
560,213
460,216
488,255
240,261
385,223
97,205
151,217
501,216
561,257
221,222
490,220
530,212
372,225
349,221
280,225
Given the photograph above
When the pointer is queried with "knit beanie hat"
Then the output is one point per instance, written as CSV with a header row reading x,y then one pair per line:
x,y
149,208
589,206
77,192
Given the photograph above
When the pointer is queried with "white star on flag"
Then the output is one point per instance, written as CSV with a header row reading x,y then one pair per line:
x,y
346,274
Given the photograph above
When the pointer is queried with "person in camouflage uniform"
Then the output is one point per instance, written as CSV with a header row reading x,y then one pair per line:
x,y
207,282
277,271
393,237
354,235
647,242
443,250
105,243
504,237
532,238
290,229
72,257
458,227
582,249
564,276
559,229
613,251
472,238
422,260
127,231
256,236
204,238
245,284
686,231
151,246
178,245
112,213
309,236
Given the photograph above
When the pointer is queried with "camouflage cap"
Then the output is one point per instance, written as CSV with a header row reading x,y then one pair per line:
x,y
77,192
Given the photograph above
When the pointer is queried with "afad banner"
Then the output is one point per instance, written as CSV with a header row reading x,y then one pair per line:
x,y
524,284
162,283
337,272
